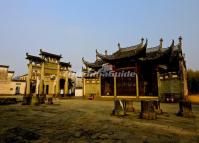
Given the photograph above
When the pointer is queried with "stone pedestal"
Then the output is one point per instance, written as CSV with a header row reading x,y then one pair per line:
x,y
49,100
35,100
42,99
119,108
185,109
27,100
129,106
157,108
148,110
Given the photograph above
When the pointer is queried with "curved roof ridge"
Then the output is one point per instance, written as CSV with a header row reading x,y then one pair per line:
x,y
124,49
153,49
32,57
50,54
130,52
97,64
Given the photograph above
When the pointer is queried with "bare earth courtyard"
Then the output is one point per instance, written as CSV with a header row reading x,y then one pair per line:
x,y
82,121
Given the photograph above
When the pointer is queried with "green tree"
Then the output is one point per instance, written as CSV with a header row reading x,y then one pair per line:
x,y
193,81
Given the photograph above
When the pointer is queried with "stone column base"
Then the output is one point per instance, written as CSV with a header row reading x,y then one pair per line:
x,y
148,110
119,108
185,109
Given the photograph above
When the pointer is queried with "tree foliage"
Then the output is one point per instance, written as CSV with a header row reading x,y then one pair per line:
x,y
193,81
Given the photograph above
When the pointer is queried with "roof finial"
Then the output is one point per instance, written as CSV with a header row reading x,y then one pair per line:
x,y
142,40
106,52
180,43
118,45
180,40
161,43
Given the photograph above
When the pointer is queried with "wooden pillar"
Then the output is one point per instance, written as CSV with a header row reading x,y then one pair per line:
x,y
41,87
29,78
183,71
66,83
137,85
58,80
158,84
44,89
115,87
184,79
119,105
37,85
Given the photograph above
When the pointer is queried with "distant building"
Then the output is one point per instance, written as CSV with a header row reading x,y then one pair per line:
x,y
78,86
48,75
78,83
137,72
8,85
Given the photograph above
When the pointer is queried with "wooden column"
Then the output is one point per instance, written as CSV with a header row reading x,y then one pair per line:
x,y
115,87
158,83
137,85
184,80
37,85
119,105
58,80
66,83
29,78
41,88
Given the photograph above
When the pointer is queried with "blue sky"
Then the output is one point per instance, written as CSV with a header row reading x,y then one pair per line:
x,y
75,28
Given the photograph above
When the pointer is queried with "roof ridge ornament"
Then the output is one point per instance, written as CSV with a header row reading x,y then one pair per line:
x,y
106,53
119,45
172,45
146,43
173,42
82,58
180,40
161,44
142,40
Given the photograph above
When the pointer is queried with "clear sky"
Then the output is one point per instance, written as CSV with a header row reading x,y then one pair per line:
x,y
75,28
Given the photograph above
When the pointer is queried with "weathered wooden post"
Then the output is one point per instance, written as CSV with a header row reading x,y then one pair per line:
x,y
157,108
119,108
129,106
147,110
185,109
28,97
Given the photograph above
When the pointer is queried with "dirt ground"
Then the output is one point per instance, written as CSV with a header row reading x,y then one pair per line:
x,y
85,121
